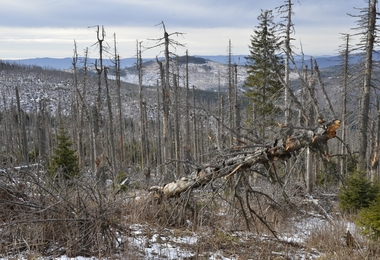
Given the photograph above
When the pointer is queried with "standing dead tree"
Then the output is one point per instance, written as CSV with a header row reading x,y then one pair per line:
x,y
145,160
97,108
367,23
119,109
166,41
285,11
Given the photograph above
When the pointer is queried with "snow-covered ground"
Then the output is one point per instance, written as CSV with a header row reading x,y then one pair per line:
x,y
151,243
207,76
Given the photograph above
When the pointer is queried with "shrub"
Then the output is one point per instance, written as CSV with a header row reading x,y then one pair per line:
x,y
369,219
358,192
64,163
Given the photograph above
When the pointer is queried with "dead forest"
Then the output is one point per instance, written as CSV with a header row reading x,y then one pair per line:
x,y
172,158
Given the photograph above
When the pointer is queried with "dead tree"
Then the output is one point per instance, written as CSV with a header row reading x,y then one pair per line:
x,y
166,41
96,110
110,118
186,148
143,117
282,148
286,11
345,54
177,152
119,111
22,128
231,92
368,24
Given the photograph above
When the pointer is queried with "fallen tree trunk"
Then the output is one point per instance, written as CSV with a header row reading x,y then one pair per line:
x,y
290,141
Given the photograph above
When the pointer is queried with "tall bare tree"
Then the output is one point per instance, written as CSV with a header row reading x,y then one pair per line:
x,y
186,148
22,127
176,108
145,161
368,23
110,136
166,42
345,65
119,110
286,11
78,106
230,92
99,152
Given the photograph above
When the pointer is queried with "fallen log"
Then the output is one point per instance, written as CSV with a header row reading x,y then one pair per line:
x,y
281,148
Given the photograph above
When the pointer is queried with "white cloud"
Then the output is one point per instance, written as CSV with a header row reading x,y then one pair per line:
x,y
48,27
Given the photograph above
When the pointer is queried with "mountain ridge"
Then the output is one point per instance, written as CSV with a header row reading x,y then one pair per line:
x,y
66,63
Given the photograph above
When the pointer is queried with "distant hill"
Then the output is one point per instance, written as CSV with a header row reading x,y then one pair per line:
x,y
66,63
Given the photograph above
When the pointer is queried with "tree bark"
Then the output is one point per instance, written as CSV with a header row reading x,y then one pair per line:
x,y
143,120
22,130
186,148
365,96
110,120
288,53
119,110
344,103
230,93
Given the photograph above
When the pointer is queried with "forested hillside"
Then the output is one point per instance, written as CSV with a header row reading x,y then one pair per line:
x,y
182,157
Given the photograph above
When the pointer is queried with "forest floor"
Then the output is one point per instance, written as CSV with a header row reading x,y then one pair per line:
x,y
309,235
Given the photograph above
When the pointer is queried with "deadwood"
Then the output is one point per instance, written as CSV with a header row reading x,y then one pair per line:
x,y
289,142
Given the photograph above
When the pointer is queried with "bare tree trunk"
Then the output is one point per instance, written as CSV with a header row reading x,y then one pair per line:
x,y
22,129
8,130
288,53
110,118
176,125
309,85
320,82
144,151
119,110
365,96
168,151
344,104
42,131
237,106
230,93
84,111
159,143
186,148
166,123
195,130
375,145
220,115
79,113
100,174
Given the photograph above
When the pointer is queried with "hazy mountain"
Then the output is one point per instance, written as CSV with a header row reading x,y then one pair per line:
x,y
206,75
66,63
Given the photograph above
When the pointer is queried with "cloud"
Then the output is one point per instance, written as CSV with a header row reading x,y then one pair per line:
x,y
50,26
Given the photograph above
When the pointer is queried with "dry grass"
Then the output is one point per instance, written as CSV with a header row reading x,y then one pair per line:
x,y
80,218
55,219
341,241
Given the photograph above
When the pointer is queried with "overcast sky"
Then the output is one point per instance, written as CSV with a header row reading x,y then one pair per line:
x,y
48,28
